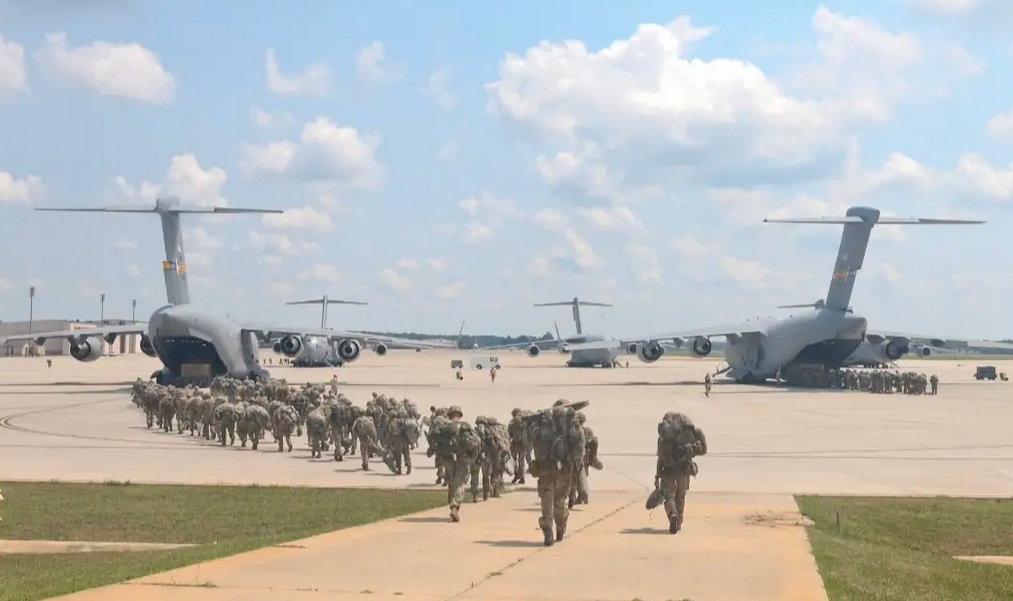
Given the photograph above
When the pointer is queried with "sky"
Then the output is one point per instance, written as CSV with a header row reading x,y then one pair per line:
x,y
463,161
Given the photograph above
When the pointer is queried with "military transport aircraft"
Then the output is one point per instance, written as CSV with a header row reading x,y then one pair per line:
x,y
318,351
829,335
591,357
192,343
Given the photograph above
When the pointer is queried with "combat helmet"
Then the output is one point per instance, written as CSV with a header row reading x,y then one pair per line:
x,y
455,409
559,402
492,421
581,417
517,411
481,420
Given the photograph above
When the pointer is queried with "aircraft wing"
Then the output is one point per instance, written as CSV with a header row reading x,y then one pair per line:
x,y
539,343
133,328
938,342
730,332
271,332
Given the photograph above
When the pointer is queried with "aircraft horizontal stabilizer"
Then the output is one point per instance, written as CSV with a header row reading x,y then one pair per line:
x,y
329,301
815,305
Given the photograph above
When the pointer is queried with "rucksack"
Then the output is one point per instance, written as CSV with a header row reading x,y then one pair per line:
x,y
454,438
675,442
557,437
411,431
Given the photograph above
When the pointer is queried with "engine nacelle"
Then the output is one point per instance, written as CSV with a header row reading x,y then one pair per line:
x,y
533,350
892,350
86,350
632,347
650,352
925,351
146,347
290,346
701,347
348,350
380,349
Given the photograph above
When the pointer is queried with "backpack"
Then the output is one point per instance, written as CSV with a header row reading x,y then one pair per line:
x,y
557,437
411,431
454,438
675,443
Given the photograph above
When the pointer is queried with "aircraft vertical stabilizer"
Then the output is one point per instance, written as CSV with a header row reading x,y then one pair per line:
x,y
858,223
576,303
324,301
177,290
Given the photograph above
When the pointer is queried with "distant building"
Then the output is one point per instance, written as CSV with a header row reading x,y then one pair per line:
x,y
127,343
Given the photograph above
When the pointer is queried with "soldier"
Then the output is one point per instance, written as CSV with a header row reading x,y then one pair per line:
x,y
258,420
364,432
499,454
555,463
400,444
934,383
286,420
225,417
456,446
707,386
678,442
480,468
316,428
580,493
519,450
166,409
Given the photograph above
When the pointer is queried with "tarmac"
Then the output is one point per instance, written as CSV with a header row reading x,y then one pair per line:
x,y
743,537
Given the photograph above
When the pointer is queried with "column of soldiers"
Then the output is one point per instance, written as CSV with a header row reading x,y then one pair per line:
x,y
877,381
554,445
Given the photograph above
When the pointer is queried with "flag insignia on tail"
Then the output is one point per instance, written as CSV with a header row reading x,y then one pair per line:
x,y
172,265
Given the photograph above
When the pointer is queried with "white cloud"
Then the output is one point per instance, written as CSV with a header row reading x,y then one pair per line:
x,y
13,74
315,79
395,281
437,264
751,274
451,290
688,246
447,151
437,88
185,179
1001,126
125,70
198,239
963,61
644,262
373,65
280,243
6,287
322,272
616,218
551,220
406,263
487,213
262,118
26,190
272,260
642,112
325,153
883,270
133,270
303,218
583,253
951,8
124,244
279,289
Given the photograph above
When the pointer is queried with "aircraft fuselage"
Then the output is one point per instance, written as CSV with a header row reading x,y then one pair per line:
x,y
589,357
824,337
186,338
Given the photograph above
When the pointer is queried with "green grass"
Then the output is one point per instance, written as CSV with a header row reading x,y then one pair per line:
x,y
223,520
901,549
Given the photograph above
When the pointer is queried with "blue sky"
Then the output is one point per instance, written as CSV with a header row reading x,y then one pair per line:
x,y
462,162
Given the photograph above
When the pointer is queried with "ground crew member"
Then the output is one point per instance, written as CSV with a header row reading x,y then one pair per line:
x,y
707,385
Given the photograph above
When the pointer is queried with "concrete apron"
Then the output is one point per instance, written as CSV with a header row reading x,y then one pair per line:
x,y
57,546
732,547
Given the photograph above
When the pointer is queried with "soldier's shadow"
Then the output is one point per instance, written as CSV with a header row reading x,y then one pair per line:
x,y
644,530
516,544
432,519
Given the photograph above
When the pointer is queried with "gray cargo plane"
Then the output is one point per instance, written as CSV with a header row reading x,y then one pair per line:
x,y
318,351
592,357
192,343
829,335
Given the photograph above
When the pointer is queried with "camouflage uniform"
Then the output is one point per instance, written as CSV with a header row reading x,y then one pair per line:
x,y
400,428
457,459
225,417
364,431
580,493
520,450
286,420
259,420
316,428
675,466
554,464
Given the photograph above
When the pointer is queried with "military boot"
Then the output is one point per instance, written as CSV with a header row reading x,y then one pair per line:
x,y
560,531
474,496
674,524
485,495
548,536
408,470
454,515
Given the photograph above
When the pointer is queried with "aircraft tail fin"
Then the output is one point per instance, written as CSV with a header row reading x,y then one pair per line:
x,y
177,290
324,301
858,223
576,303
457,343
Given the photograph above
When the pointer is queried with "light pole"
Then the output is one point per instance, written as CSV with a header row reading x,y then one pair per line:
x,y
31,307
102,305
133,310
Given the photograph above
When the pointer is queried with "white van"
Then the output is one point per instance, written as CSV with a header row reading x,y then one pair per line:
x,y
484,362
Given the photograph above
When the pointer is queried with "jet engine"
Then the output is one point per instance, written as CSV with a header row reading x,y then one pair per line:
x,y
290,346
632,348
380,349
348,350
892,350
146,347
533,350
925,351
701,347
86,350
650,352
